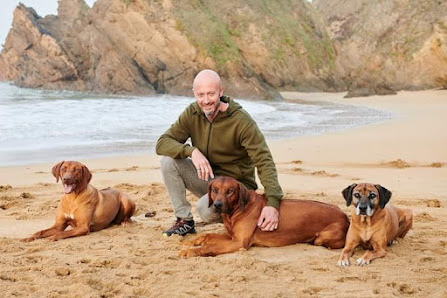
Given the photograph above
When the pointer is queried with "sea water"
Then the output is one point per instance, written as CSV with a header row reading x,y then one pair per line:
x,y
48,126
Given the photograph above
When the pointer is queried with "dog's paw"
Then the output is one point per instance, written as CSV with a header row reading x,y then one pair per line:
x,y
343,263
391,243
53,238
188,253
126,222
362,262
195,242
29,239
199,241
187,243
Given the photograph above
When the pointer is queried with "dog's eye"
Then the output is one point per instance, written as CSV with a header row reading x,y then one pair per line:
x,y
230,191
214,190
357,195
372,195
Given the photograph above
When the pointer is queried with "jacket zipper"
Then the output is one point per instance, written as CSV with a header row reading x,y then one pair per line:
x,y
208,140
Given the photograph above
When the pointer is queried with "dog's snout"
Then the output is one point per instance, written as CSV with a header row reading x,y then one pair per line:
x,y
218,204
363,208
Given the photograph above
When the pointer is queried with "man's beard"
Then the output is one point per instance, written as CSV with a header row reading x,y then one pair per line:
x,y
212,113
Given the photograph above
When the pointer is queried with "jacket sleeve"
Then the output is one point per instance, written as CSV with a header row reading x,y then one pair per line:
x,y
254,142
172,142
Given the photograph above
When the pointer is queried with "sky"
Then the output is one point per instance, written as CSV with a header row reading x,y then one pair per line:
x,y
42,7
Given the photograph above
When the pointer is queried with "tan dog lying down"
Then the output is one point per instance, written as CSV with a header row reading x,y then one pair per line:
x,y
373,224
84,207
300,221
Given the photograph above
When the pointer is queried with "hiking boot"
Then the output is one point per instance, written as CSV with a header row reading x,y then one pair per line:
x,y
181,227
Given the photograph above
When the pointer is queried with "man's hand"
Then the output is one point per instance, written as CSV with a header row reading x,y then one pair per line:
x,y
204,170
269,219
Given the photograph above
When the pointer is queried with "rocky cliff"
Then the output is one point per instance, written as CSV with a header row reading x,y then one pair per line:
x,y
144,46
388,45
258,46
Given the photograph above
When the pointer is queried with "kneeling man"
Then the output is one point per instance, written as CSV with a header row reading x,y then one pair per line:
x,y
225,140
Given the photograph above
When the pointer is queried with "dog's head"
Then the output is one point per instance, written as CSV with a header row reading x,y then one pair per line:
x,y
74,176
227,195
366,197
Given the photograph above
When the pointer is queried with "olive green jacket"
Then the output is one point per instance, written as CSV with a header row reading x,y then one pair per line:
x,y
232,143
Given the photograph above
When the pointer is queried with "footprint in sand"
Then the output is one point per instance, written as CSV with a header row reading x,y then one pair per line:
x,y
349,278
63,271
398,163
402,164
5,187
301,171
313,290
323,174
403,288
133,168
433,203
424,217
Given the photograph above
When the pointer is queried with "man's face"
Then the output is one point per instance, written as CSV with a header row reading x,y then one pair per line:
x,y
207,94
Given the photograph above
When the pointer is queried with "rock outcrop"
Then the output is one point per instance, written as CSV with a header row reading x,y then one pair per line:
x,y
258,47
142,46
389,45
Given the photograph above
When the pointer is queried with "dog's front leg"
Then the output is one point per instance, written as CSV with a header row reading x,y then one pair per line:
x,y
218,244
379,251
215,246
58,226
205,239
77,231
352,241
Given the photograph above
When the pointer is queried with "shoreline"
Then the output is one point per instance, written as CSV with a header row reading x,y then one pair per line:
x,y
87,138
375,145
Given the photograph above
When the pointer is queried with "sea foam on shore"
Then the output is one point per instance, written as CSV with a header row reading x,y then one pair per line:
x,y
42,125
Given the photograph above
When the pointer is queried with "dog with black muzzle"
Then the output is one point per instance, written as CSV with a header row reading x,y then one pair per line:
x,y
374,224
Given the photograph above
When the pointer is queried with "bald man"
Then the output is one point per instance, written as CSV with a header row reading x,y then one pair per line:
x,y
225,140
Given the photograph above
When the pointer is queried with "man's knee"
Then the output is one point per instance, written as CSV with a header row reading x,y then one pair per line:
x,y
206,213
202,206
167,164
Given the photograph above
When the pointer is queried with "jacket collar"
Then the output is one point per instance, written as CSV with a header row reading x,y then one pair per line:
x,y
232,107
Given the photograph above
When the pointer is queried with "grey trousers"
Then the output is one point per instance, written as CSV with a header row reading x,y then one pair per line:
x,y
180,175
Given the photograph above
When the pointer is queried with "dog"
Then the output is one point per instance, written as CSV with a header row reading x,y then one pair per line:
x,y
82,206
300,221
373,224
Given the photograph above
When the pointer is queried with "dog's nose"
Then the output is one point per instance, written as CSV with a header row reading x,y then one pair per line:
x,y
363,209
218,204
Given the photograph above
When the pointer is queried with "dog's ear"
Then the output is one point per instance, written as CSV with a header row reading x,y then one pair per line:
x,y
243,196
210,189
384,195
347,193
86,177
57,170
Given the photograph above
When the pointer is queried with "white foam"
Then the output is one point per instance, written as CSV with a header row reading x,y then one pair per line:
x,y
34,123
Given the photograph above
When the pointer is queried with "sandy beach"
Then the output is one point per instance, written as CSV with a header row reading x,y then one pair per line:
x,y
406,154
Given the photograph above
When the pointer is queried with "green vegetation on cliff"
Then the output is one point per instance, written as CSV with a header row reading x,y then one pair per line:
x,y
286,28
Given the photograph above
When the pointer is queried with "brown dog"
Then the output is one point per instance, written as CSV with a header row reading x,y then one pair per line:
x,y
300,221
84,207
372,223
